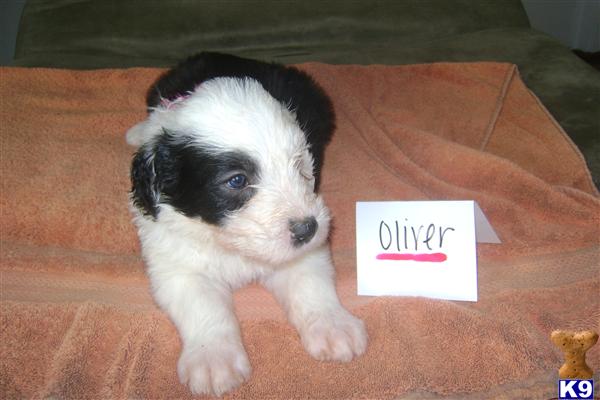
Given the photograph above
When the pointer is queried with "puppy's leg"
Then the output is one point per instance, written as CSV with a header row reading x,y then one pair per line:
x,y
307,292
213,360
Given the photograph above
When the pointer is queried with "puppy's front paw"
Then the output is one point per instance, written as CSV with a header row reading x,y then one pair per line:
x,y
337,336
213,369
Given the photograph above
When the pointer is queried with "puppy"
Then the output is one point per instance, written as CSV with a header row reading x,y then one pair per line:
x,y
224,193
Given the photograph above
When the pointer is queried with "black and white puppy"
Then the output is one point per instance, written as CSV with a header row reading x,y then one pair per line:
x,y
224,193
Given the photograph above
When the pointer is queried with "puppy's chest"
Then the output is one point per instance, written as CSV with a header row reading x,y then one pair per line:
x,y
213,264
237,272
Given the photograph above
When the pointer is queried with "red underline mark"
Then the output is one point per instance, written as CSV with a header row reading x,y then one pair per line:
x,y
433,257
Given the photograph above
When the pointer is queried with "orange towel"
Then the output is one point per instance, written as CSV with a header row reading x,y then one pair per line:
x,y
77,318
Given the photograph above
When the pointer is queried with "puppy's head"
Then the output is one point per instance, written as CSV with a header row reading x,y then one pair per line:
x,y
235,161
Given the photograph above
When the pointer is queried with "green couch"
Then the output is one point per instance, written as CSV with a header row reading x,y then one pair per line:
x,y
87,34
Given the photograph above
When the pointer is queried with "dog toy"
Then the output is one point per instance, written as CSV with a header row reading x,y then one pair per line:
x,y
574,346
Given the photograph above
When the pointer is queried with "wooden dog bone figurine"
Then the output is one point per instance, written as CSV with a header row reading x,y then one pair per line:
x,y
574,345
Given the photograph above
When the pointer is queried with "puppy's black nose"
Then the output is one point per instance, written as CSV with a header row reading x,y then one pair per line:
x,y
303,230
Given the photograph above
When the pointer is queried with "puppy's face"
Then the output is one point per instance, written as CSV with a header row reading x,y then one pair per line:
x,y
234,160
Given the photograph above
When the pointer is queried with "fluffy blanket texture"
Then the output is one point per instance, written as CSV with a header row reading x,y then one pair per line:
x,y
77,317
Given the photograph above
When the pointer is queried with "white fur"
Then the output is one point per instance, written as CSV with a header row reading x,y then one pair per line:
x,y
194,267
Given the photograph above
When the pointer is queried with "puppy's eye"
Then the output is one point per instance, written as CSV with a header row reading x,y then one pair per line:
x,y
238,181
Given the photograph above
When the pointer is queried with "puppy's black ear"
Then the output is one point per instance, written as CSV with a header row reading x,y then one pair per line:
x,y
184,77
314,112
145,190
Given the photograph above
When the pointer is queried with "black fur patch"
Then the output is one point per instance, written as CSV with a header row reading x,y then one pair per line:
x,y
192,179
290,86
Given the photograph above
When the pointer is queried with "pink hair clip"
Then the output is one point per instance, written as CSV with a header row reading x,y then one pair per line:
x,y
168,103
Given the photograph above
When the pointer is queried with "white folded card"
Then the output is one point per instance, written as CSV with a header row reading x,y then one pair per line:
x,y
420,248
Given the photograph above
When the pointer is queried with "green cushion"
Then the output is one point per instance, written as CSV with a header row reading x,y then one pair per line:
x,y
116,33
